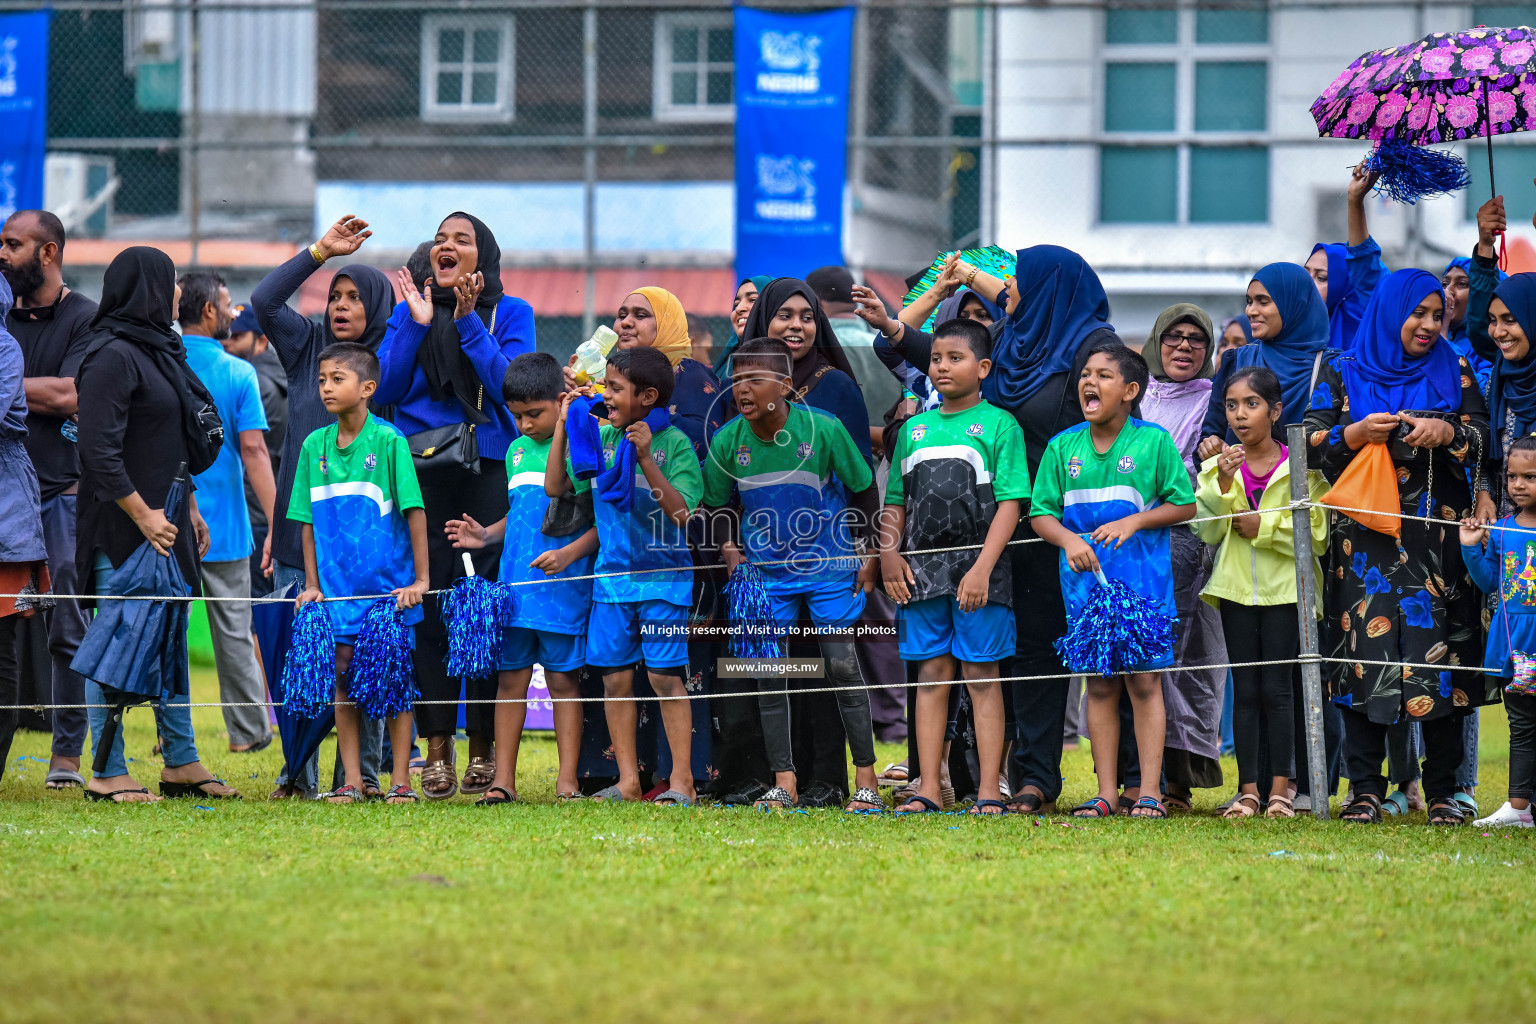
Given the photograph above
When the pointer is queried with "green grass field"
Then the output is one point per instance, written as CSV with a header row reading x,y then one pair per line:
x,y
253,911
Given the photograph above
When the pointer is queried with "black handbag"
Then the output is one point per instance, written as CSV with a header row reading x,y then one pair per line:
x,y
570,513
453,445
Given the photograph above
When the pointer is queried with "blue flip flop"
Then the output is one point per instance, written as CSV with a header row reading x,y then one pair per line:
x,y
1002,809
929,807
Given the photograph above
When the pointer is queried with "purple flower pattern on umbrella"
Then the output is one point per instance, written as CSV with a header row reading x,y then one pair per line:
x,y
1431,91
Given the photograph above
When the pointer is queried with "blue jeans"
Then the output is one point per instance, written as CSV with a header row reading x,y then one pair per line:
x,y
370,734
173,720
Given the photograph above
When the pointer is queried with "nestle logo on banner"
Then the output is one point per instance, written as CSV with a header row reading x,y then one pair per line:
x,y
8,66
791,61
789,183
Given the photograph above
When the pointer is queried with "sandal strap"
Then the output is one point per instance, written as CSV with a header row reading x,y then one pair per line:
x,y
777,795
865,795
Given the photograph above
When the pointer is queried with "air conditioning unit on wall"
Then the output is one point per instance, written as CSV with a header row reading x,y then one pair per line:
x,y
78,189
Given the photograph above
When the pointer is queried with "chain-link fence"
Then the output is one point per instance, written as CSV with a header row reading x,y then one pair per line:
x,y
597,135
1171,143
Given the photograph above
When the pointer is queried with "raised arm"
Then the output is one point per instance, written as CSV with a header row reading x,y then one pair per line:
x,y
284,327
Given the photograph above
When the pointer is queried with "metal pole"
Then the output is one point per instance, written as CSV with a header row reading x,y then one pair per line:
x,y
194,183
854,246
589,168
989,129
1306,602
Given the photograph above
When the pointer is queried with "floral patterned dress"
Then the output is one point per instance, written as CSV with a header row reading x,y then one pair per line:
x,y
1408,599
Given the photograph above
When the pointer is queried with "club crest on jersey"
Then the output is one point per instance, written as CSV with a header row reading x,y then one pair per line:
x,y
517,457
607,453
660,458
325,468
918,431
743,456
1074,467
370,461
805,451
1126,464
974,430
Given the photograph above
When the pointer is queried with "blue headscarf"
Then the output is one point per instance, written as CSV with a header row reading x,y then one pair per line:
x,y
1343,321
1514,384
1061,303
1457,335
1378,375
1303,333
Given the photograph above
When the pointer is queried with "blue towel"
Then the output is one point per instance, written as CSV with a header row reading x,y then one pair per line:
x,y
583,438
616,484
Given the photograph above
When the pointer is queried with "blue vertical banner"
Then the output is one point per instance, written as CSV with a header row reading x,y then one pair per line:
x,y
791,139
23,110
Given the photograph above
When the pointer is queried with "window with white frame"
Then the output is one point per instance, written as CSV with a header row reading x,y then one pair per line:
x,y
1185,117
694,68
467,67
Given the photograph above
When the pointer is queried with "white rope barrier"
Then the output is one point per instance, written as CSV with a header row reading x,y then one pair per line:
x,y
1291,507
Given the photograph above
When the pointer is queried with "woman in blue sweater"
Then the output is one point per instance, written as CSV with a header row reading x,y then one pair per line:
x,y
445,353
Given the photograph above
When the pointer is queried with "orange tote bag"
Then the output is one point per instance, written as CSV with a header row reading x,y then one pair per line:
x,y
1369,482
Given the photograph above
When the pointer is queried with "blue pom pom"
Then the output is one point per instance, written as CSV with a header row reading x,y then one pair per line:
x,y
382,680
753,632
1118,631
506,604
1410,173
309,674
473,612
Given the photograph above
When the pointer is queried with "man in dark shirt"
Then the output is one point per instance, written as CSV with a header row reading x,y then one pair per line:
x,y
246,341
51,322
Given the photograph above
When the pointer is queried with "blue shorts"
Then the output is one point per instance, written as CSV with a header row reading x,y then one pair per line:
x,y
927,629
655,632
838,605
557,652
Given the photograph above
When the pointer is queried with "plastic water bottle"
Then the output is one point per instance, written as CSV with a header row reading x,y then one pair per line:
x,y
592,356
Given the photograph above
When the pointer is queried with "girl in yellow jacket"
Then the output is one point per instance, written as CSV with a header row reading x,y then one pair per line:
x,y
1254,581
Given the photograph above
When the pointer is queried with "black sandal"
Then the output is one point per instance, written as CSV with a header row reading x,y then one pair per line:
x,y
491,800
112,797
1365,810
400,792
776,799
177,789
1026,803
1444,810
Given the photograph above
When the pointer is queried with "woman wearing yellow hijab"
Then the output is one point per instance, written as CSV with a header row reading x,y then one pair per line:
x,y
654,318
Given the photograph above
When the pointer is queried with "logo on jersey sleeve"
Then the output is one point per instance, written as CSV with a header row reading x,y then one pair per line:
x,y
974,430
918,431
1074,467
370,461
805,451
743,456
1126,464
517,458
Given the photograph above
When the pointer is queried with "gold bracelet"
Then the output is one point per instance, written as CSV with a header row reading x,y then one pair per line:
x,y
314,250
970,278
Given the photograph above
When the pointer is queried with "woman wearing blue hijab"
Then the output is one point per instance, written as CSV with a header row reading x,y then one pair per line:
x,y
1290,327
1456,281
1402,601
1346,274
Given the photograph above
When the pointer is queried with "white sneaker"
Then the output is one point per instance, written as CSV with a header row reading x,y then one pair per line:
x,y
1507,817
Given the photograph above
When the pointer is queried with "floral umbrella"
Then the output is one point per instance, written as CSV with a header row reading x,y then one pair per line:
x,y
1446,87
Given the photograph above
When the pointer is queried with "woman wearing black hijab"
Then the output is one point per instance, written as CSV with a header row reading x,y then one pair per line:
x,y
443,359
357,307
139,405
